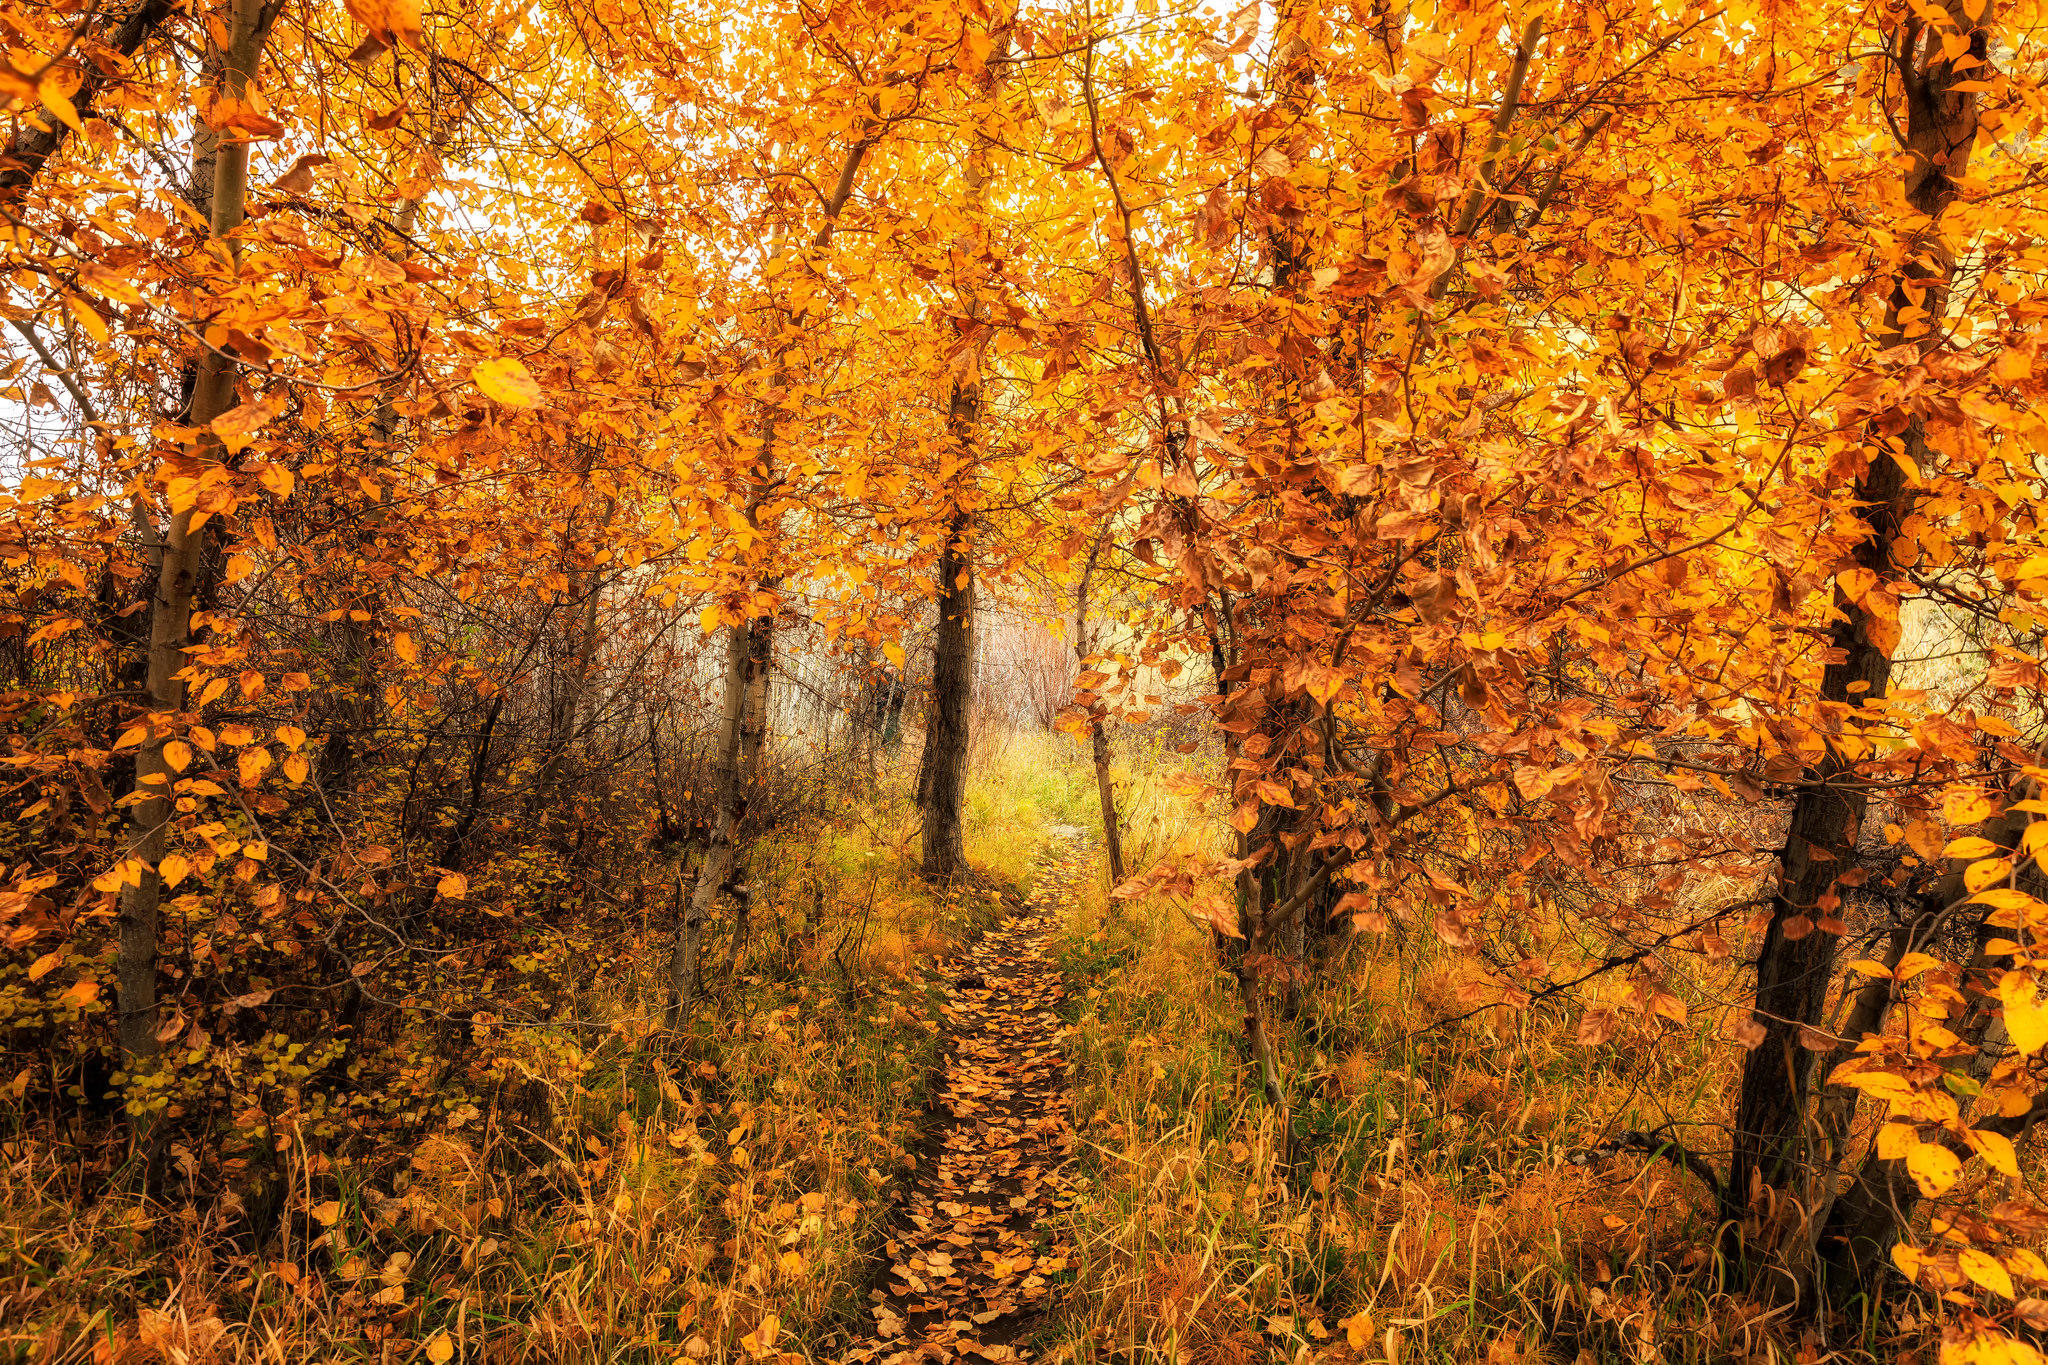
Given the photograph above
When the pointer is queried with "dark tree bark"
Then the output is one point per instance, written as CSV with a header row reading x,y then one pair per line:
x,y
1796,962
942,777
32,147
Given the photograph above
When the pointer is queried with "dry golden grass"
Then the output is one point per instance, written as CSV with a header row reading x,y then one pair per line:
x,y
621,1202
1442,1209
604,1191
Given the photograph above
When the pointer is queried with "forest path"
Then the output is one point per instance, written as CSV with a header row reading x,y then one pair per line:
x,y
968,1248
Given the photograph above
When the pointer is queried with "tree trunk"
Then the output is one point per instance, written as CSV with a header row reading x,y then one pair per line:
x,y
1105,795
1862,1223
942,776
1098,735
1796,962
185,565
892,715
942,781
31,146
749,650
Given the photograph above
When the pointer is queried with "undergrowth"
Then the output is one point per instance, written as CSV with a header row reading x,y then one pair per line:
x,y
1447,1200
567,1180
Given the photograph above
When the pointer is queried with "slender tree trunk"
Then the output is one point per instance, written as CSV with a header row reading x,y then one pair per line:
x,y
1795,965
181,582
942,783
750,653
942,777
567,721
728,806
892,716
1098,734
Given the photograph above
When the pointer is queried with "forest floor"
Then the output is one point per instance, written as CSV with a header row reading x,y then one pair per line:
x,y
968,1249
972,1123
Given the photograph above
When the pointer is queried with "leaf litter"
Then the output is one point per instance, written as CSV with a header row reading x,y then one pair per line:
x,y
971,1255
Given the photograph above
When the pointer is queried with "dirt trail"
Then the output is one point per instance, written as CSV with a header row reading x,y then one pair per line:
x,y
969,1250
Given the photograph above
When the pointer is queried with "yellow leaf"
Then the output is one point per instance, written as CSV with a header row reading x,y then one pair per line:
x,y
277,479
389,19
1913,964
1991,1350
296,768
238,426
1933,1167
1966,806
454,886
174,868
893,652
1358,1331
1274,794
1997,1151
440,1350
1989,872
252,764
507,381
44,965
88,318
2026,1015
1985,1271
59,103
405,648
82,993
178,754
2023,1262
326,1214
1325,683
1668,1005
761,1341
